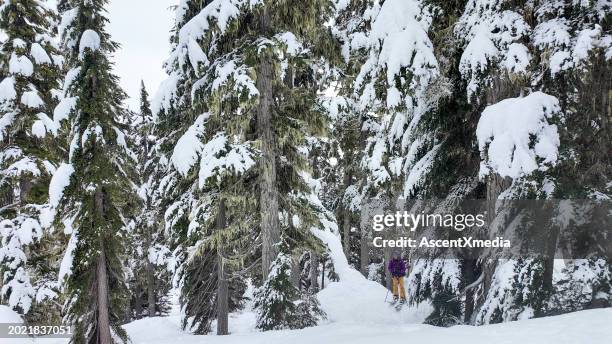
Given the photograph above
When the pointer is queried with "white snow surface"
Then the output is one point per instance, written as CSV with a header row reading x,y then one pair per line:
x,y
585,327
7,315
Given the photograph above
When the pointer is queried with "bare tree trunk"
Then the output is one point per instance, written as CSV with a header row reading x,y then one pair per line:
x,y
364,254
323,274
387,258
102,295
367,212
25,185
469,292
268,200
104,331
314,276
495,185
138,304
295,271
346,222
150,289
150,276
222,288
346,233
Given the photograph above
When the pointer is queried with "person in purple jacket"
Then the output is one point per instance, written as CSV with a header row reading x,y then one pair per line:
x,y
397,268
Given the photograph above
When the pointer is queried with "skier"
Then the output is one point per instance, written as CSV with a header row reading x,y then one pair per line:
x,y
397,268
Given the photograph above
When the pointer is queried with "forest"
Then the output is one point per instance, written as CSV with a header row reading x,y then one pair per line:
x,y
250,177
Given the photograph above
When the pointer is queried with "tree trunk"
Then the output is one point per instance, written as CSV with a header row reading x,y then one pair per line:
x,y
495,185
222,288
366,214
346,223
314,276
323,274
387,258
295,271
104,331
469,275
137,304
25,185
102,295
346,233
364,254
150,289
268,200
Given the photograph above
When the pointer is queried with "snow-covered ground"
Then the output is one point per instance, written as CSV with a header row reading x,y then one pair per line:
x,y
357,314
586,327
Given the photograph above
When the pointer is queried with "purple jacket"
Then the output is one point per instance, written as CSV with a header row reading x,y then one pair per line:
x,y
397,267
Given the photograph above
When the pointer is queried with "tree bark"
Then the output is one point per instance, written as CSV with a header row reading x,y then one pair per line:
x,y
102,295
314,276
25,185
495,185
138,304
150,289
222,287
268,200
295,271
346,221
364,254
323,274
346,233
104,331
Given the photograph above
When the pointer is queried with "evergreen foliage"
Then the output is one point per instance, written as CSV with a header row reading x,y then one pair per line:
x,y
29,153
279,303
280,120
97,198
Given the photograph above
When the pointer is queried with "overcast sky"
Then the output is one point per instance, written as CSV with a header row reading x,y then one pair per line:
x,y
142,27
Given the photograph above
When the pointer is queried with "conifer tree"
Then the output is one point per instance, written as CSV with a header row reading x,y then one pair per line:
x,y
95,183
150,280
241,80
279,310
29,153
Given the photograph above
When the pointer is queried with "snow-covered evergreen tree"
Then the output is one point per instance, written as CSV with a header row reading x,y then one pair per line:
x,y
95,183
150,278
549,66
279,303
450,97
29,152
255,71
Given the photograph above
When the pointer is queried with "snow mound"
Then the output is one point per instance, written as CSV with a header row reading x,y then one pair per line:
x,y
515,136
355,299
89,40
7,315
59,181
